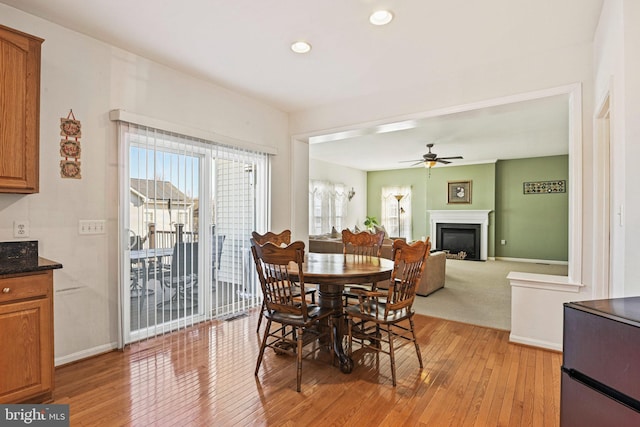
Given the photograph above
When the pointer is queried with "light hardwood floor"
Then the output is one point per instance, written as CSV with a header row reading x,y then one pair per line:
x,y
203,376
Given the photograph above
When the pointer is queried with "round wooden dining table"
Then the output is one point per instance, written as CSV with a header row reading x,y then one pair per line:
x,y
331,272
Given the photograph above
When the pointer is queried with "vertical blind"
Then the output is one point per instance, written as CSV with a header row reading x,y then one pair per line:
x,y
188,207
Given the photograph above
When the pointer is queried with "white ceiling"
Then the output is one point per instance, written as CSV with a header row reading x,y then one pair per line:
x,y
534,128
244,45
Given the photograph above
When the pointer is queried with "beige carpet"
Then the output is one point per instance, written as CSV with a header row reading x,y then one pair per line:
x,y
478,292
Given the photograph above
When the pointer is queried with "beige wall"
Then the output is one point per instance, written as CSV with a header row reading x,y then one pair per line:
x,y
93,78
617,73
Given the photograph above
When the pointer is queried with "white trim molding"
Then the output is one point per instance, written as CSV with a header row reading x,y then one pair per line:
x,y
532,260
85,354
543,281
462,217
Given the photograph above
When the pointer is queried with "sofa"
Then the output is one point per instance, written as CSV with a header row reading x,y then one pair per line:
x,y
432,279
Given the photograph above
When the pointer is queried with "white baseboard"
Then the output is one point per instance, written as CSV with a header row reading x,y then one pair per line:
x,y
533,261
85,353
535,343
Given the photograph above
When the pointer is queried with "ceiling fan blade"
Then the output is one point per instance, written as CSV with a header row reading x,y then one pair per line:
x,y
418,163
443,161
407,161
451,158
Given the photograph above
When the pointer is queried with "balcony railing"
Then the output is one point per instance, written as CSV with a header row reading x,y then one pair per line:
x,y
168,238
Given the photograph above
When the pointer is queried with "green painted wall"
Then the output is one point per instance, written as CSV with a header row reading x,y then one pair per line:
x,y
534,226
483,181
414,177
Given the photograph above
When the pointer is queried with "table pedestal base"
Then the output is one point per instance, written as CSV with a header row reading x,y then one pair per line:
x,y
330,296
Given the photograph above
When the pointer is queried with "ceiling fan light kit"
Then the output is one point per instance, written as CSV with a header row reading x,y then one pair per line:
x,y
430,159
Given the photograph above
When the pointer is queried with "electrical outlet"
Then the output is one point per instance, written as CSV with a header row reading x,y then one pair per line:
x,y
21,228
92,226
503,242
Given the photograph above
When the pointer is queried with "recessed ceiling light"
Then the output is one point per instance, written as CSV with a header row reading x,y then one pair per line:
x,y
300,47
381,17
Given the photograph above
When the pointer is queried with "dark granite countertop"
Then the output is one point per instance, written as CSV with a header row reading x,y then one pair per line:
x,y
28,266
22,257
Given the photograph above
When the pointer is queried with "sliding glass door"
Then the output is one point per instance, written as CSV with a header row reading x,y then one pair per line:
x,y
188,207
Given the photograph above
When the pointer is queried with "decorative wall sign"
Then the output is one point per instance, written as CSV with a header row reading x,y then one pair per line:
x,y
459,192
544,187
69,148
70,169
70,128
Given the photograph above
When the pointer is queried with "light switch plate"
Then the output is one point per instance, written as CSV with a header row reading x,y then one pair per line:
x,y
91,226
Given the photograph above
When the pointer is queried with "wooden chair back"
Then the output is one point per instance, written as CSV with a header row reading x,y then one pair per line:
x,y
283,238
278,286
409,262
363,243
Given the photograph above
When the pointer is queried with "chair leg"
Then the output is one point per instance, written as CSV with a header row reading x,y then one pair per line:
x,y
263,345
331,338
299,359
392,355
415,341
350,336
260,317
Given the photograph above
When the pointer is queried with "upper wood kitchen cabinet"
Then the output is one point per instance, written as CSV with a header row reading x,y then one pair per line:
x,y
19,111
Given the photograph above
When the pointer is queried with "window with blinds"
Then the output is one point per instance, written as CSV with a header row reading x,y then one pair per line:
x,y
327,207
188,208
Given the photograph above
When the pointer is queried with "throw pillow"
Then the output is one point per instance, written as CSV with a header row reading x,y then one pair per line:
x,y
378,228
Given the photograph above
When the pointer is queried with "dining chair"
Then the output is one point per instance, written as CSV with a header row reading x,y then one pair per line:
x,y
364,245
279,239
279,288
389,311
182,276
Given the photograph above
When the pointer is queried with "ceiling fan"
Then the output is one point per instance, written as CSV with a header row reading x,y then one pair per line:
x,y
430,159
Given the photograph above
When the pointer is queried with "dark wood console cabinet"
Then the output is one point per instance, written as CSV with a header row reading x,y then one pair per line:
x,y
601,364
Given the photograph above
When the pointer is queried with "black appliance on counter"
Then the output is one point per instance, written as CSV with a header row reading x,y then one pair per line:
x,y
600,383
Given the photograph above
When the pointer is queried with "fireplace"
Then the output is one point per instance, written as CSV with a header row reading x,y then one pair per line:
x,y
467,222
456,238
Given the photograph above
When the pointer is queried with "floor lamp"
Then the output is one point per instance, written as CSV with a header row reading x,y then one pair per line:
x,y
398,198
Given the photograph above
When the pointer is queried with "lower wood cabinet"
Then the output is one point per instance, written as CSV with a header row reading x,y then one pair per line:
x,y
26,337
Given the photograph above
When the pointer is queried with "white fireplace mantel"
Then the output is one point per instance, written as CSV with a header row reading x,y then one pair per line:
x,y
462,217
